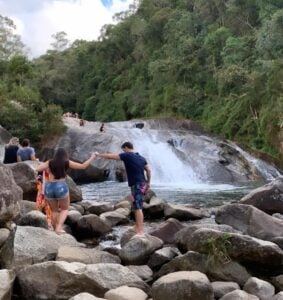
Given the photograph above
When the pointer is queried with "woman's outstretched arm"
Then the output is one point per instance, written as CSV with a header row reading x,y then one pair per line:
x,y
84,165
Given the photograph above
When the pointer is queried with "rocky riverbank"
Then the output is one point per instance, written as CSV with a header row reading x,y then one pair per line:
x,y
228,252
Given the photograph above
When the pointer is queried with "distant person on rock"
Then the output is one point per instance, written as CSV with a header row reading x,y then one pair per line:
x,y
136,167
26,152
56,190
102,128
11,150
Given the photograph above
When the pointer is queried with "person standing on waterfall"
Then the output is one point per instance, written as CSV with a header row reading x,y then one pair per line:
x,y
136,167
56,190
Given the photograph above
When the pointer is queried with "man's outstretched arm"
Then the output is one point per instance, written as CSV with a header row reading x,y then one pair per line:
x,y
108,155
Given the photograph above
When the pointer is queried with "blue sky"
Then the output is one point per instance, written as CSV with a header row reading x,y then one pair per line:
x,y
37,20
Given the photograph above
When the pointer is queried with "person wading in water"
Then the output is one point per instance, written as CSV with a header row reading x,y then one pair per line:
x,y
136,167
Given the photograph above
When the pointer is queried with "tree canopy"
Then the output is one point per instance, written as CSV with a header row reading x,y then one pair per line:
x,y
218,62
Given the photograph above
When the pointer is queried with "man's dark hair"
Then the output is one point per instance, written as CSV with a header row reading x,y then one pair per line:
x,y
127,145
25,143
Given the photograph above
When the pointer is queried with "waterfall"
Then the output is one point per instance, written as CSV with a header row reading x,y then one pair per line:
x,y
266,170
165,165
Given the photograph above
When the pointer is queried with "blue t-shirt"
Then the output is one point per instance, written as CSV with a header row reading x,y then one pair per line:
x,y
25,153
134,164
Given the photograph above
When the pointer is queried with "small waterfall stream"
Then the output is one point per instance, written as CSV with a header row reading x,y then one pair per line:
x,y
165,165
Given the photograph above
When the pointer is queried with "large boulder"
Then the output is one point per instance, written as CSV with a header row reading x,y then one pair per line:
x,y
260,288
183,286
7,278
10,196
34,218
250,220
162,256
239,295
126,293
85,296
183,236
24,176
183,212
256,254
138,249
166,231
268,198
33,245
221,288
63,280
91,226
85,255
194,261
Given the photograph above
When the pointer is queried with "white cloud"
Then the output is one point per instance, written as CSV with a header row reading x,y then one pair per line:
x,y
80,19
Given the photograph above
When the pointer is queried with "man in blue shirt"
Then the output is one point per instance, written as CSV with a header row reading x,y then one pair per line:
x,y
135,165
26,152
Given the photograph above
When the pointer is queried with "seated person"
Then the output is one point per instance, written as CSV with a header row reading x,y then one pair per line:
x,y
26,152
11,150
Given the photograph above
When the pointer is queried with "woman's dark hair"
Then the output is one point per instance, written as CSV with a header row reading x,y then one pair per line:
x,y
127,145
59,164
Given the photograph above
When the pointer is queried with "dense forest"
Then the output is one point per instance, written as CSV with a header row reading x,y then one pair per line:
x,y
219,62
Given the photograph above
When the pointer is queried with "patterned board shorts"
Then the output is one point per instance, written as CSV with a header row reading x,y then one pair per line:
x,y
55,190
138,191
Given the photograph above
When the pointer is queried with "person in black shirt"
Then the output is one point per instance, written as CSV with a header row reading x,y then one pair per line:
x,y
135,165
11,149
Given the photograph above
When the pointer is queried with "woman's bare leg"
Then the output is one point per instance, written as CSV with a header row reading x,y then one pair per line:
x,y
54,206
64,209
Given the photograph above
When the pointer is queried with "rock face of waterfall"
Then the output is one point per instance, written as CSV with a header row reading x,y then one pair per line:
x,y
176,150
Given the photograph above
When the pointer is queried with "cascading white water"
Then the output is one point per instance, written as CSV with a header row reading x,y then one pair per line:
x,y
166,166
265,169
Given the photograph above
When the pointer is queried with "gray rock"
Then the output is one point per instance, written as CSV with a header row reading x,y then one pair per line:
x,y
183,237
85,296
260,288
277,281
183,286
183,213
27,206
194,261
162,256
239,295
7,278
125,293
4,234
155,208
250,220
268,198
73,218
24,176
221,288
64,280
114,218
240,247
138,249
144,272
33,245
166,231
92,226
34,218
10,196
85,255
278,296
98,208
